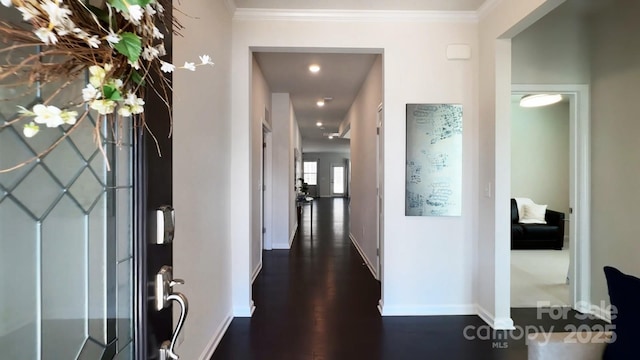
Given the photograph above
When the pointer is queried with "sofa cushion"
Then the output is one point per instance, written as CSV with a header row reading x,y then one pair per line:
x,y
515,217
540,231
624,295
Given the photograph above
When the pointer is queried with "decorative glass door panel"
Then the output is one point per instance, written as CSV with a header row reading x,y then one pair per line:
x,y
65,238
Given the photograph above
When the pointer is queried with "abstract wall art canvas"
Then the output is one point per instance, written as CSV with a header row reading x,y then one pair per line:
x,y
434,160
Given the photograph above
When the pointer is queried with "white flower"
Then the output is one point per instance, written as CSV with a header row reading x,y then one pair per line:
x,y
206,60
93,41
156,33
49,115
135,103
135,13
69,117
167,67
189,66
98,75
135,65
8,3
103,107
27,14
46,36
161,50
58,16
90,93
30,129
150,10
124,111
118,83
112,38
149,53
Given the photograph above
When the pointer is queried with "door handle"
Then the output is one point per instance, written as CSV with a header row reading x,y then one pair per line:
x,y
167,347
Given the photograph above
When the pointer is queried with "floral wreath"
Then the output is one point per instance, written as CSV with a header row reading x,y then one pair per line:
x,y
120,43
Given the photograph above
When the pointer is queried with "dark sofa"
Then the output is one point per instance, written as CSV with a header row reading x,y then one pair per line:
x,y
537,236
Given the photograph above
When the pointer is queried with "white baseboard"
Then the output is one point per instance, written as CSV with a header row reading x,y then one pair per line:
x,y
293,235
256,272
426,310
364,256
215,340
599,312
491,320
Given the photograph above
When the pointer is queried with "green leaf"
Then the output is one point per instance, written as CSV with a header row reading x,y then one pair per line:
x,y
111,92
119,4
142,3
130,45
122,5
137,78
99,13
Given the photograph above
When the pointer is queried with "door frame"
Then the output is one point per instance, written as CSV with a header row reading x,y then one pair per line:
x,y
579,188
266,184
380,189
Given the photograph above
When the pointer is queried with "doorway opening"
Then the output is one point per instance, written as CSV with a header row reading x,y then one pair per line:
x,y
338,179
573,281
313,127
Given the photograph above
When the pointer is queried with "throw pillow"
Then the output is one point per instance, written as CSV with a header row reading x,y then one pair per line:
x,y
624,295
533,214
520,202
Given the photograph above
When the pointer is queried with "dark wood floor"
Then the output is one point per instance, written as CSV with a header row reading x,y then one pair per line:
x,y
319,301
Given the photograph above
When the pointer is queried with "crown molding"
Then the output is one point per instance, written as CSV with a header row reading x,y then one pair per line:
x,y
486,8
252,14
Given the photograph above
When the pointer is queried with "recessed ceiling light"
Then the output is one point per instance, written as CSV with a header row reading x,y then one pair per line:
x,y
540,100
330,137
318,124
314,68
320,103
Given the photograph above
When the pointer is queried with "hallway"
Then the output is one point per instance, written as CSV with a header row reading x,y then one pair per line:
x,y
319,301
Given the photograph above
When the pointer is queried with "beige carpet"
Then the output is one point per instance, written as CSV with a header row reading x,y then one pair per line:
x,y
539,275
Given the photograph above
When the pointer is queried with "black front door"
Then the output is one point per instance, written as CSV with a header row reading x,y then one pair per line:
x,y
153,169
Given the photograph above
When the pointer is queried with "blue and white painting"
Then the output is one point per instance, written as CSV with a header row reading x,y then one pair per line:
x,y
434,160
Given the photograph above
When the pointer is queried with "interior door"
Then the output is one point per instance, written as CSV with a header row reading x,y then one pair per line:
x,y
337,180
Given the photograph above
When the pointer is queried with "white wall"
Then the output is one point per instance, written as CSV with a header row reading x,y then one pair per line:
x,y
260,100
362,117
554,50
201,163
540,154
615,74
286,139
499,21
417,250
325,160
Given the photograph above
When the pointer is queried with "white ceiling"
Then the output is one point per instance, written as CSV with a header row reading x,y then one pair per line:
x,y
341,76
421,5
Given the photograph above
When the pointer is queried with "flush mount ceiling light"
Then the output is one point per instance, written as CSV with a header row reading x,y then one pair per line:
x,y
318,124
330,137
314,68
324,100
536,100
